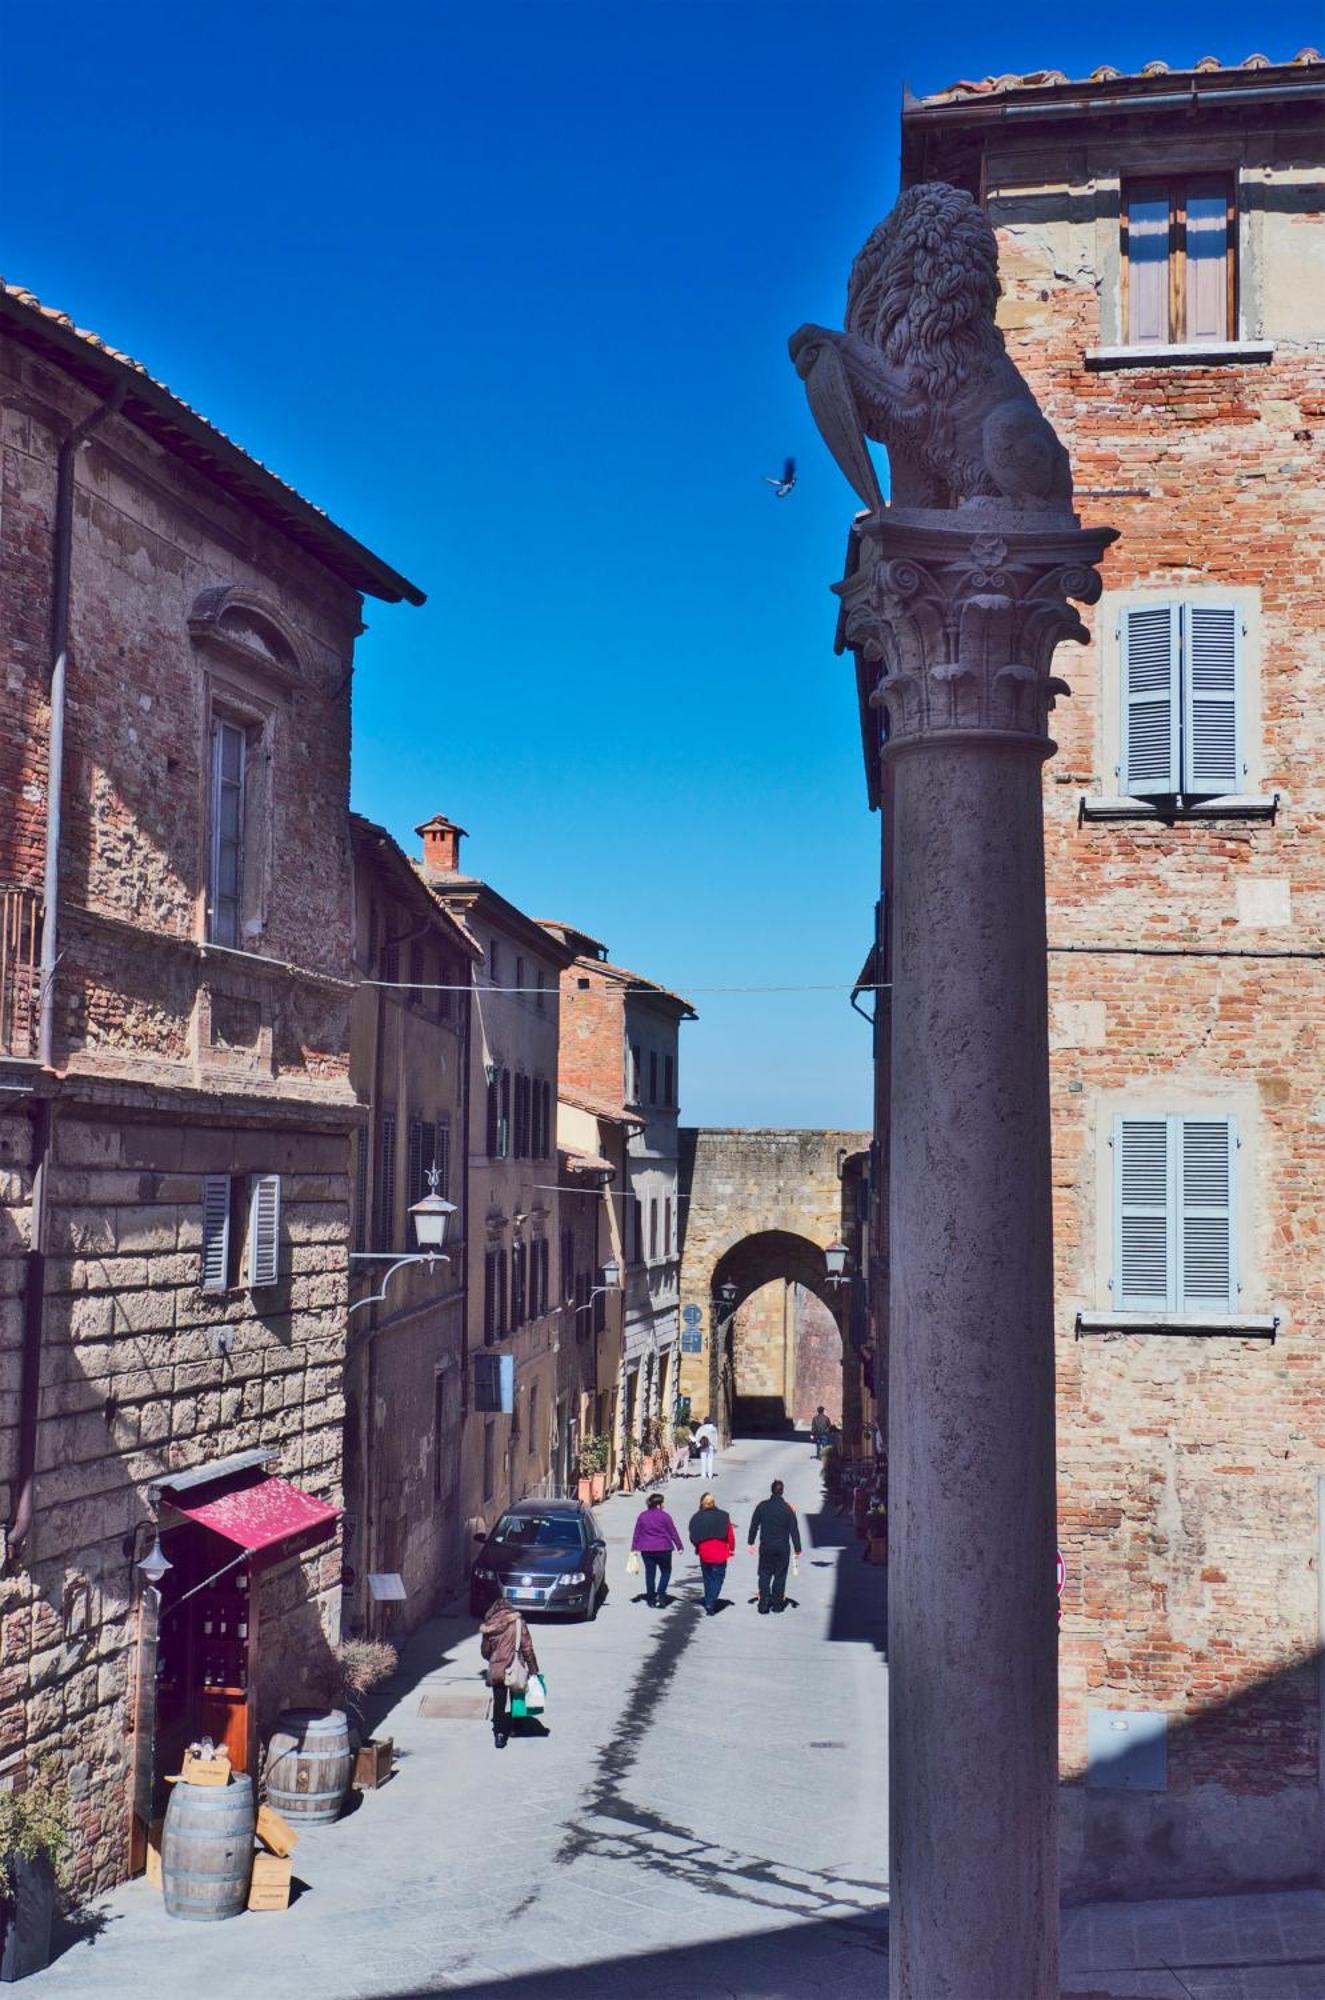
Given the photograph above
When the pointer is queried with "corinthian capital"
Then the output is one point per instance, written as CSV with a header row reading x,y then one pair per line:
x,y
964,618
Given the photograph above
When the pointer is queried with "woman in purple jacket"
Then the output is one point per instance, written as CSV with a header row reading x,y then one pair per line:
x,y
655,1538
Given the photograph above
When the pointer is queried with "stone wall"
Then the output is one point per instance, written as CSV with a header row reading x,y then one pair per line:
x,y
757,1205
174,1058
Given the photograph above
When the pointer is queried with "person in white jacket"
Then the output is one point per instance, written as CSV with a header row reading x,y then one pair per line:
x,y
706,1437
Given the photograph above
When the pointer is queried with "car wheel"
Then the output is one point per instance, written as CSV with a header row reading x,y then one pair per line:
x,y
591,1609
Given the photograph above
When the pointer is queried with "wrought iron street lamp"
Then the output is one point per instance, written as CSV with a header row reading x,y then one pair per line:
x,y
835,1257
432,1216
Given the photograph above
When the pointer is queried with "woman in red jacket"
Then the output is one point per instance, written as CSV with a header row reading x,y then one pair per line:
x,y
714,1540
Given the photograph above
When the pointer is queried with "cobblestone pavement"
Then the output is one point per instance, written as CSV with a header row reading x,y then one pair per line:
x,y
705,1815
706,1810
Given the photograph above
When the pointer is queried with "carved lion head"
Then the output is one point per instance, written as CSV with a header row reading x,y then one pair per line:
x,y
925,286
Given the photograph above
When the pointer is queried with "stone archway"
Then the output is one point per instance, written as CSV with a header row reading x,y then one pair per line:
x,y
759,1207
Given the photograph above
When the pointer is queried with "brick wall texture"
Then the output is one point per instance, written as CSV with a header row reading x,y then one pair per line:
x,y
1190,1468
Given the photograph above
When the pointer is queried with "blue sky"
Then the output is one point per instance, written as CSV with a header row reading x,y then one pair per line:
x,y
507,290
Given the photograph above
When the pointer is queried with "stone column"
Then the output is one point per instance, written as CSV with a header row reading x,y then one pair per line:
x,y
963,609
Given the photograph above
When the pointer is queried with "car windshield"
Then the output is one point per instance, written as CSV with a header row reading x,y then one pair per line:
x,y
538,1531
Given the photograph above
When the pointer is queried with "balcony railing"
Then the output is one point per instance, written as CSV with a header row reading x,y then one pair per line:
x,y
20,957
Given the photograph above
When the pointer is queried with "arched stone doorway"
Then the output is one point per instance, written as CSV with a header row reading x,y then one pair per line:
x,y
780,1322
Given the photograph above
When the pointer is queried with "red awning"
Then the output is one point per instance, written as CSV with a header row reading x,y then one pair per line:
x,y
263,1514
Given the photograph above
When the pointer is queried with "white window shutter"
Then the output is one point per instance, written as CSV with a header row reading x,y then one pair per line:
x,y
215,1232
1208,1281
1212,648
264,1229
1144,1255
1151,704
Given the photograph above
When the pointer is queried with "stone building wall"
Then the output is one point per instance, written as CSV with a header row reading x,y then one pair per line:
x,y
174,1059
756,1205
1185,975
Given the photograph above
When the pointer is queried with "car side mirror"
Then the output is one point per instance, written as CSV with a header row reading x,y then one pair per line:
x,y
598,1543
480,1538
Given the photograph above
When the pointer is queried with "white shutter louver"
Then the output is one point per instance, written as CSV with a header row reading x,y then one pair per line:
x,y
1207,1278
215,1232
1212,635
264,1229
1151,702
1143,1276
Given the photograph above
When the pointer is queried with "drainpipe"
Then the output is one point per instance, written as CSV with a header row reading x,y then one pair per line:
x,y
34,1289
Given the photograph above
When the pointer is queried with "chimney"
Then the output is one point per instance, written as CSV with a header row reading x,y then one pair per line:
x,y
441,839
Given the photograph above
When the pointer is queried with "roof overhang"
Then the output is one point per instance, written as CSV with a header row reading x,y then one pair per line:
x,y
161,415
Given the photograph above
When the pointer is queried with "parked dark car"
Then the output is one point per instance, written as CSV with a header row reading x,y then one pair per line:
x,y
544,1555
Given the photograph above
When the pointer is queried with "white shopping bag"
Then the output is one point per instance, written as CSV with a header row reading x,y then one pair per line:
x,y
535,1695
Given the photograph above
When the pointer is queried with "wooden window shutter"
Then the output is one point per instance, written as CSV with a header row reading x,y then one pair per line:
x,y
1144,1247
1208,251
361,1144
1207,1277
502,1322
1212,692
386,1181
518,1263
441,1156
264,1229
489,1295
504,1136
415,1185
1148,250
215,1232
1151,701
494,1115
549,1121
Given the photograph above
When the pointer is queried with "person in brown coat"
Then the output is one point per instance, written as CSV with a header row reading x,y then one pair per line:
x,y
502,1634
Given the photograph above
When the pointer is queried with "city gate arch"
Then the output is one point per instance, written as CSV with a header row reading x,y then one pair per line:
x,y
763,1328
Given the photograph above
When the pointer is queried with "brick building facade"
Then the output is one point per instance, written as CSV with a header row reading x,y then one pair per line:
x,y
1163,259
514,1214
175,1122
621,1044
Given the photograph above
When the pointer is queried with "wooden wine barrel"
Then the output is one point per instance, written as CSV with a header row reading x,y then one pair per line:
x,y
309,1764
207,1849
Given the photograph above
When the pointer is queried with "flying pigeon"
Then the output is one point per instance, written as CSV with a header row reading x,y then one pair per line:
x,y
783,485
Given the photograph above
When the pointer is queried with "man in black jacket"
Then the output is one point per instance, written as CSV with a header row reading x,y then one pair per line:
x,y
777,1532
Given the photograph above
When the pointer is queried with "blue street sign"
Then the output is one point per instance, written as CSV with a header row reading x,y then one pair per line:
x,y
693,1315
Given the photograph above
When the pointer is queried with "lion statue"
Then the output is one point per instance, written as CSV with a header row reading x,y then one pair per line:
x,y
922,368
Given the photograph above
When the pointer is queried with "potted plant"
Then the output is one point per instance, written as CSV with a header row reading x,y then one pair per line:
x,y
584,1470
598,1450
364,1664
653,1447
34,1835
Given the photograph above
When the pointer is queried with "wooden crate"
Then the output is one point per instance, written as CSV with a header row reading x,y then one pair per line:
x,y
276,1834
205,1770
372,1764
269,1885
153,1852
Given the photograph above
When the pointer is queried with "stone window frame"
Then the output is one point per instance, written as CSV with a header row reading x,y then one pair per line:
x,y
251,667
1168,1097
1170,159
1107,801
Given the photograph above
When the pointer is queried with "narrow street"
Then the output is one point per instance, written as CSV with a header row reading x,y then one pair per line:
x,y
706,1811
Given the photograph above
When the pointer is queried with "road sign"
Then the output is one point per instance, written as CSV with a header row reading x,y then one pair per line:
x,y
692,1342
693,1315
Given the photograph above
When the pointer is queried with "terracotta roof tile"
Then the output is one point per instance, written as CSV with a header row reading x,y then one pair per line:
x,y
26,312
1044,79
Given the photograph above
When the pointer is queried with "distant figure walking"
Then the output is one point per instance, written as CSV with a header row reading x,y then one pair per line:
x,y
821,1430
706,1437
504,1640
713,1538
654,1539
777,1532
